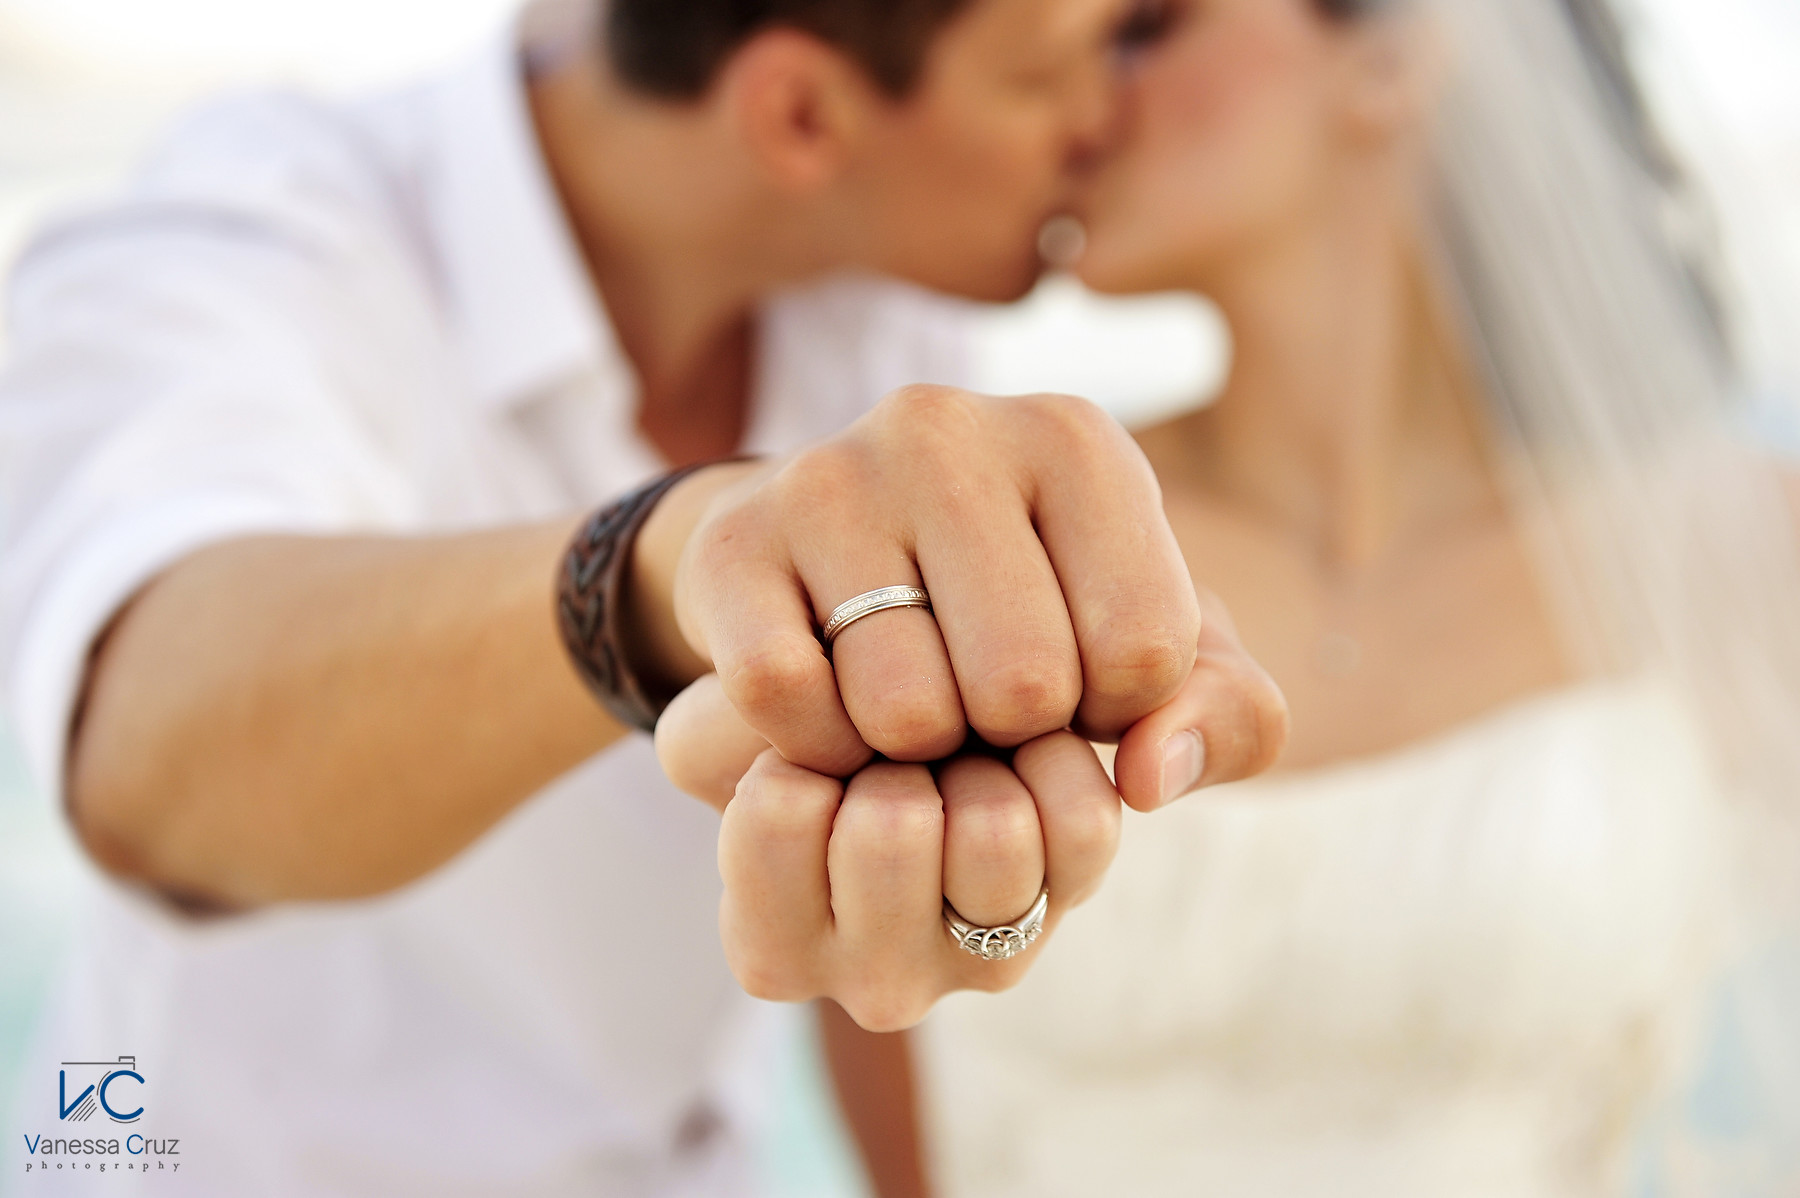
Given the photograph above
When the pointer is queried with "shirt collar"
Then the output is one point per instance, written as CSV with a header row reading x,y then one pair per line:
x,y
519,295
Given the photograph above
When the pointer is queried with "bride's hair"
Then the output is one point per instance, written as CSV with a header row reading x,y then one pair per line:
x,y
1597,32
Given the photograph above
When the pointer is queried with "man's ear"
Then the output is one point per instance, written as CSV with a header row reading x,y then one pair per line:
x,y
800,105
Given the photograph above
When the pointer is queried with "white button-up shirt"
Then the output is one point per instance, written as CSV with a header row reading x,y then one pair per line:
x,y
360,319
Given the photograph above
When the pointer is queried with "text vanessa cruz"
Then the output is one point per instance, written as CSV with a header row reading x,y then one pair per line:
x,y
102,1154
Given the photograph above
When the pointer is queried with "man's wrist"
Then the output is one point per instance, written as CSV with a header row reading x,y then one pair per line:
x,y
647,616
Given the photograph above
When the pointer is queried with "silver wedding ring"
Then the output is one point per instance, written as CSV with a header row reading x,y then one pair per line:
x,y
997,944
886,599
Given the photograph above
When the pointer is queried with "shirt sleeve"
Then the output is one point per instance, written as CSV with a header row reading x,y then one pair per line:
x,y
191,365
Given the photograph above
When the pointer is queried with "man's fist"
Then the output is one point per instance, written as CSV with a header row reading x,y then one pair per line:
x,y
1059,595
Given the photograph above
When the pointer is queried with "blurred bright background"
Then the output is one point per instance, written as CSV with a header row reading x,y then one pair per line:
x,y
85,85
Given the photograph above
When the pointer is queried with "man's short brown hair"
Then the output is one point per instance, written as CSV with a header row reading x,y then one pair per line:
x,y
674,48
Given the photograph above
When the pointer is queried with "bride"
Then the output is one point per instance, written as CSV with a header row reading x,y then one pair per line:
x,y
1478,495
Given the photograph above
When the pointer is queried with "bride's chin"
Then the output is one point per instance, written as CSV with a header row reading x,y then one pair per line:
x,y
1111,272
1127,260
1103,282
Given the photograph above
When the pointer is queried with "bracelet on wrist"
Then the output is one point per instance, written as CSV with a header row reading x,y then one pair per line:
x,y
591,585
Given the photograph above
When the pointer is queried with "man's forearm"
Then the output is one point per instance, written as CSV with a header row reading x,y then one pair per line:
x,y
309,718
651,607
291,718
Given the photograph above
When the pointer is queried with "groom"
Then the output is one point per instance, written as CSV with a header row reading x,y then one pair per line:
x,y
296,434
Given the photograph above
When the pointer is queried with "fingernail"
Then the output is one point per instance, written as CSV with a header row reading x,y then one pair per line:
x,y
1184,760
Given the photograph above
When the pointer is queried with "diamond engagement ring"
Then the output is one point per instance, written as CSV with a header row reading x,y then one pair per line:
x,y
997,944
886,599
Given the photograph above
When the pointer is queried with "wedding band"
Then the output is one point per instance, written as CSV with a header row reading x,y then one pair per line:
x,y
886,599
997,944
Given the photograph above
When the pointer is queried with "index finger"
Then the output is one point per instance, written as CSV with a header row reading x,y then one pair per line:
x,y
775,915
758,630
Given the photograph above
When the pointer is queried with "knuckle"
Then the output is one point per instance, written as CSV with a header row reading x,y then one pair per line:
x,y
820,477
995,828
1077,422
894,826
1022,699
930,422
726,536
776,804
923,406
1140,661
893,782
773,673
914,724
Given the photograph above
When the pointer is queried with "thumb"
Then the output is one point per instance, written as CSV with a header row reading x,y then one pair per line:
x,y
1229,721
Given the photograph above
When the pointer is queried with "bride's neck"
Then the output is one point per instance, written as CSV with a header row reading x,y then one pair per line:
x,y
1346,422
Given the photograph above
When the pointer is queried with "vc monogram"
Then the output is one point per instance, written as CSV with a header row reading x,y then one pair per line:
x,y
98,1094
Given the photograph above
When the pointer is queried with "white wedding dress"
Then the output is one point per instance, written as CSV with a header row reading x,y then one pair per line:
x,y
1469,968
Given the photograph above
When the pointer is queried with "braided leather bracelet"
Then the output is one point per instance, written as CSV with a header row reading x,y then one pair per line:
x,y
589,587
